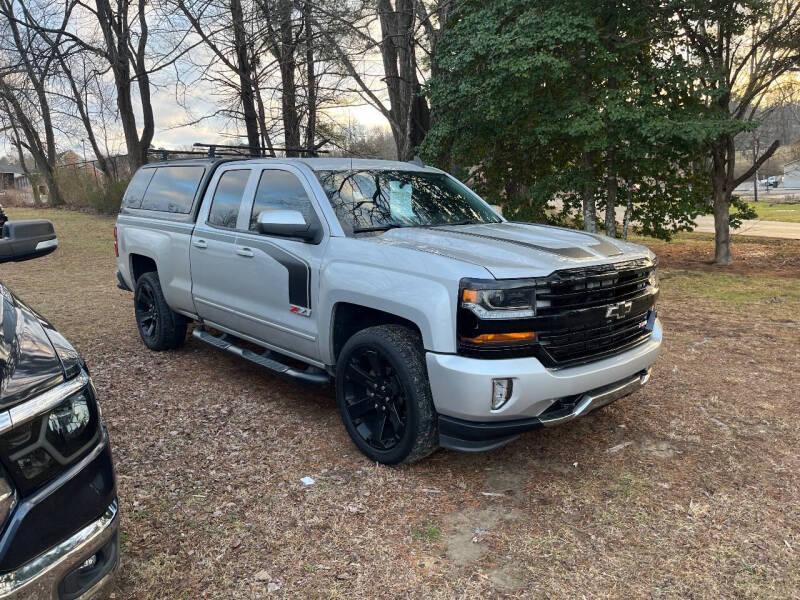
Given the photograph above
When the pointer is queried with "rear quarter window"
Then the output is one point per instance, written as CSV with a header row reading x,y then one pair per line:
x,y
136,188
172,189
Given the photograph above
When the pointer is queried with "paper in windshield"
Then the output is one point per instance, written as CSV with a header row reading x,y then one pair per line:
x,y
400,199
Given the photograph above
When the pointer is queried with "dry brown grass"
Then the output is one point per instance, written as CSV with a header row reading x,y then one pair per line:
x,y
688,489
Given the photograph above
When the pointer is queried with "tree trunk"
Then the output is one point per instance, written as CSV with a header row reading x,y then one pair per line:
x,y
410,114
288,65
244,71
626,223
612,185
722,226
755,175
588,201
53,193
266,141
311,90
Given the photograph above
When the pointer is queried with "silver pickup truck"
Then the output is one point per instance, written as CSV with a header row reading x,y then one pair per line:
x,y
442,323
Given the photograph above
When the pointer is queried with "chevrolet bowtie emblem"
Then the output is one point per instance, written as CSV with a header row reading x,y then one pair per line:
x,y
618,310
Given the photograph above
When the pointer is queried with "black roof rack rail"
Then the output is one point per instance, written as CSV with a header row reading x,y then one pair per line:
x,y
258,151
173,154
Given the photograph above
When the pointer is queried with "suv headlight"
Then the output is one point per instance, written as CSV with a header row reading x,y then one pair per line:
x,y
497,299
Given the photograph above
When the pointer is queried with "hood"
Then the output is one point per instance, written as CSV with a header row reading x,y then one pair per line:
x,y
512,250
33,356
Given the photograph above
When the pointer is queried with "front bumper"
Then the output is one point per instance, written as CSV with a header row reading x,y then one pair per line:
x,y
57,573
462,388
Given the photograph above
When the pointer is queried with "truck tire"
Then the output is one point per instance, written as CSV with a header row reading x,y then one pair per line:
x,y
384,396
160,327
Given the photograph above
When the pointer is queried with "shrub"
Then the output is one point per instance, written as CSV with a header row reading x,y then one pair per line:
x,y
82,188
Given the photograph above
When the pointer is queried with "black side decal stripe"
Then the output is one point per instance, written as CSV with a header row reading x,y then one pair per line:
x,y
298,269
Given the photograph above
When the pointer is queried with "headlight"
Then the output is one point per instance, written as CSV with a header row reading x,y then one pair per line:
x,y
499,299
40,449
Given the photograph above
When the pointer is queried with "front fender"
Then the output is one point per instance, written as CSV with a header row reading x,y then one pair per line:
x,y
425,300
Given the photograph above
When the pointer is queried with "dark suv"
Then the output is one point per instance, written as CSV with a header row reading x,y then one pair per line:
x,y
58,498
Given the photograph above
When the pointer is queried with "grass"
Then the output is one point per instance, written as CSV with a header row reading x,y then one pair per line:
x,y
429,532
789,213
734,290
701,501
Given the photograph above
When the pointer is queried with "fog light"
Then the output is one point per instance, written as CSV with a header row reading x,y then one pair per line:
x,y
501,392
89,563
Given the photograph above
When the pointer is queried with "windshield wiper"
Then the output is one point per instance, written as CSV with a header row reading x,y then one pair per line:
x,y
379,228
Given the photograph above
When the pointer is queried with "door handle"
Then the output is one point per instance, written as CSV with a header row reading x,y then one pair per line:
x,y
200,244
246,252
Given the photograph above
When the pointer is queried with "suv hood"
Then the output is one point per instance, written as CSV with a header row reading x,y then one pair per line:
x,y
33,356
511,250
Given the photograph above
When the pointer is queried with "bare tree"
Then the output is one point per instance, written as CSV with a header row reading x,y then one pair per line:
x,y
410,31
230,34
24,75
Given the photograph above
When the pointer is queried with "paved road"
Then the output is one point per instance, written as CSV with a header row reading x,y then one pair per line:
x,y
773,229
756,228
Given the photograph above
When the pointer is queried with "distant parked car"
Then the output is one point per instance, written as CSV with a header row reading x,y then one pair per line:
x,y
58,495
771,181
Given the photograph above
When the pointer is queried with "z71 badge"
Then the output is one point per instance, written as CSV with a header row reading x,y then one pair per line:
x,y
300,310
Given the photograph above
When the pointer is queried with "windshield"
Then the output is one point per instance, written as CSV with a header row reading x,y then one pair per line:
x,y
374,200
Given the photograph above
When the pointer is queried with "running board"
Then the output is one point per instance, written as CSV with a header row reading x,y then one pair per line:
x,y
227,343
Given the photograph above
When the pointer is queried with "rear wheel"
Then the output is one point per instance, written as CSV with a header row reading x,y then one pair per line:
x,y
160,327
384,396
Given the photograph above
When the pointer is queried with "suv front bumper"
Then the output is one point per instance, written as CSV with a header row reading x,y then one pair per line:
x,y
462,391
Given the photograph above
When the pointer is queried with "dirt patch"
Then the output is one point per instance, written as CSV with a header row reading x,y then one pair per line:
x,y
466,532
752,256
659,449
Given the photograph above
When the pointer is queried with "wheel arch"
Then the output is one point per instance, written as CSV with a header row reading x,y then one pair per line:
x,y
349,318
141,264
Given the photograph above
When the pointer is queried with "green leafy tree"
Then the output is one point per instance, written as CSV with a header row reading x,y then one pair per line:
x,y
565,101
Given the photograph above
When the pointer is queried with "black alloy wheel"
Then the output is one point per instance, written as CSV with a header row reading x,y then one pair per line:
x,y
375,399
146,311
160,327
384,396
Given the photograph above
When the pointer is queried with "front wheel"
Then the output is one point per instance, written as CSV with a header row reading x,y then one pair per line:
x,y
160,327
384,396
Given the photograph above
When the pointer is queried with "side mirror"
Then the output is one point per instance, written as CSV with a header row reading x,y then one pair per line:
x,y
288,223
24,240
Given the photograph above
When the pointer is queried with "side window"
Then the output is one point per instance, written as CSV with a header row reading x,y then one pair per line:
x,y
228,198
281,190
136,188
172,189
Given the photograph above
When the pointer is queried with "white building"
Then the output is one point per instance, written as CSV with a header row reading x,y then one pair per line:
x,y
791,175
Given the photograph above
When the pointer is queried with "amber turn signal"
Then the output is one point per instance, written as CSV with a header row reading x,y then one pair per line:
x,y
469,296
500,338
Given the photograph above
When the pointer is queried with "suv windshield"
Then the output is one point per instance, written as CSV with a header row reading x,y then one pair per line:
x,y
374,200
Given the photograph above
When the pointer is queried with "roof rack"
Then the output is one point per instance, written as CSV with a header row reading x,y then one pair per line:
x,y
172,154
260,151
218,150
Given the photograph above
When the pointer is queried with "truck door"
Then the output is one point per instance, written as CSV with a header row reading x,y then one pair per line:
x,y
278,276
215,269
